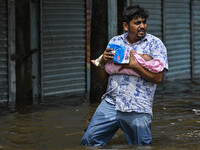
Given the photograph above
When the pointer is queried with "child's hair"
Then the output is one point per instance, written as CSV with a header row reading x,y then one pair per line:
x,y
134,12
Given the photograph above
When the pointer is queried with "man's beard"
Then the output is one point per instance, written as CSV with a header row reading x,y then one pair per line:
x,y
141,36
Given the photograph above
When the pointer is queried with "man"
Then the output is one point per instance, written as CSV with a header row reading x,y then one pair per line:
x,y
127,103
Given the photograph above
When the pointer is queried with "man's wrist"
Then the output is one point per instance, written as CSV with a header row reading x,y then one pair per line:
x,y
102,66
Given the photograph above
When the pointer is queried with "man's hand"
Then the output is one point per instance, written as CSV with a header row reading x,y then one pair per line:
x,y
107,56
132,63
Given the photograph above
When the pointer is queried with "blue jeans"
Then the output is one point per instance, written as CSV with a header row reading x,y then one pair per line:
x,y
106,121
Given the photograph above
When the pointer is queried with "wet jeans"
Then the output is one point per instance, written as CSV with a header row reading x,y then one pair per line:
x,y
106,121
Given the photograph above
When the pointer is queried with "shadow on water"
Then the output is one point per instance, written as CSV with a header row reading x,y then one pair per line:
x,y
58,123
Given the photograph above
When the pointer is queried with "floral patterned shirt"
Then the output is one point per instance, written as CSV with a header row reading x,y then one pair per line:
x,y
131,93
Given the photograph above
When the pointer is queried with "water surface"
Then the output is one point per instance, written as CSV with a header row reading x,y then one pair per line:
x,y
59,123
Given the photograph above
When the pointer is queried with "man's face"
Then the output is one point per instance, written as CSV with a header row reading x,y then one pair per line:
x,y
136,29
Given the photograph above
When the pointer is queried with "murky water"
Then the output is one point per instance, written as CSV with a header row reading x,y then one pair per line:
x,y
59,125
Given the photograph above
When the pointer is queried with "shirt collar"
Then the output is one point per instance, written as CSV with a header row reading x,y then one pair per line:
x,y
124,37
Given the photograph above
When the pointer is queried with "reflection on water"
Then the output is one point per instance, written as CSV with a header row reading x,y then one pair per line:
x,y
176,122
58,125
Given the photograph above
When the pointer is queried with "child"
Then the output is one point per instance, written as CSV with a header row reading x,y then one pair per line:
x,y
145,60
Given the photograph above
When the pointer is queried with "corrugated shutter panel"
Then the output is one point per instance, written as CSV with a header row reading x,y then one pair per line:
x,y
3,51
177,39
63,45
155,15
196,13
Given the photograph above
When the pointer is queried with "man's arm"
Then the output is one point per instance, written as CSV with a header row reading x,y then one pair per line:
x,y
102,74
144,73
149,76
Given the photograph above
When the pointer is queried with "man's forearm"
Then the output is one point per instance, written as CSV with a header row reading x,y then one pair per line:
x,y
149,76
102,74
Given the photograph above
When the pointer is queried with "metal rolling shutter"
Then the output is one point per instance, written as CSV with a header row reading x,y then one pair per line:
x,y
3,51
196,25
177,39
63,46
155,15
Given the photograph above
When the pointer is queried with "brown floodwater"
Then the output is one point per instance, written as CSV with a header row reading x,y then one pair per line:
x,y
59,123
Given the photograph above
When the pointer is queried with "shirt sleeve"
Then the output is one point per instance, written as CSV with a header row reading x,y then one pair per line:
x,y
159,51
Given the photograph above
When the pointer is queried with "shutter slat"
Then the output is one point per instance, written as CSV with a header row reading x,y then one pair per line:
x,y
3,51
177,39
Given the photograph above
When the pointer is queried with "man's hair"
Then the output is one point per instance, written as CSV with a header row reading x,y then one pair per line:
x,y
134,12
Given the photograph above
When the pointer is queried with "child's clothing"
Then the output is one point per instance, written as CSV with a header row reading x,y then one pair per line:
x,y
153,65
